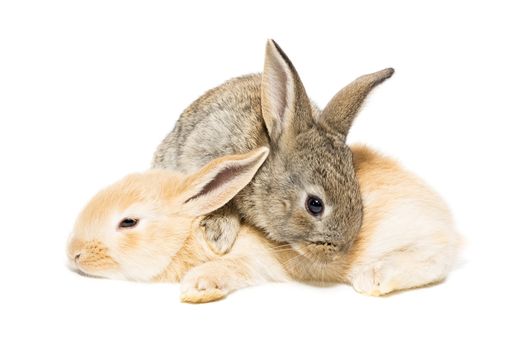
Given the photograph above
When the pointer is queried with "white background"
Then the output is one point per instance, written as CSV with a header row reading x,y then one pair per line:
x,y
88,89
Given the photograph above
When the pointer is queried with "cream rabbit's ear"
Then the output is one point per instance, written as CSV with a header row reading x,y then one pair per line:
x,y
340,112
219,181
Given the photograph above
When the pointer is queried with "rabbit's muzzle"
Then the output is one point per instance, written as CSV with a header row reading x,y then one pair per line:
x,y
320,250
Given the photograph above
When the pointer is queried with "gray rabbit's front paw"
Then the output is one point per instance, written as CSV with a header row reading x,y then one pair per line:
x,y
221,230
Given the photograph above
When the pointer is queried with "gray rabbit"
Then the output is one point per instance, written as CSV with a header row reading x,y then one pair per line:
x,y
306,194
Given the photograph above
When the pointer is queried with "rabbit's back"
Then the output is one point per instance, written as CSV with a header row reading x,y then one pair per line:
x,y
408,238
225,120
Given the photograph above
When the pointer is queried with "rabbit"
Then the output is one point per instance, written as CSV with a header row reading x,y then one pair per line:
x,y
146,227
306,193
407,238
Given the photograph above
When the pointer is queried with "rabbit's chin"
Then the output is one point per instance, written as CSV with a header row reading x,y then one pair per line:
x,y
322,252
88,271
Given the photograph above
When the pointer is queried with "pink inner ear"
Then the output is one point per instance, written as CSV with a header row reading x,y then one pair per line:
x,y
220,179
277,90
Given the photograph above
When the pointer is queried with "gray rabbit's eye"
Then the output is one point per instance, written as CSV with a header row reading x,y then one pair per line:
x,y
128,223
314,205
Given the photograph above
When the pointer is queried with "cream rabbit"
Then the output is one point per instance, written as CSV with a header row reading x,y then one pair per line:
x,y
146,228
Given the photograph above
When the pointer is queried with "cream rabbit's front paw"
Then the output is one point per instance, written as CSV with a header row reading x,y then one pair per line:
x,y
201,287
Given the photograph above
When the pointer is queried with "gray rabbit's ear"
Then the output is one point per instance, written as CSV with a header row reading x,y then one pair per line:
x,y
285,106
340,112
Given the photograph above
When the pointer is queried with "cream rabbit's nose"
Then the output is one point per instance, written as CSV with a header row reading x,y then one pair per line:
x,y
74,251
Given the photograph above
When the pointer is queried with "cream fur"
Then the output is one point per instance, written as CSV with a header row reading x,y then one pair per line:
x,y
407,239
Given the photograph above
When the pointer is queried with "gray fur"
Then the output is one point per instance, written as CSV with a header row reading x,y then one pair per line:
x,y
307,153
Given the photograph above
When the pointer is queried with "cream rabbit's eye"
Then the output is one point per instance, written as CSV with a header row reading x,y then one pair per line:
x,y
128,223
